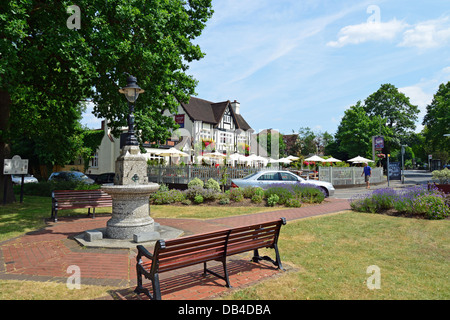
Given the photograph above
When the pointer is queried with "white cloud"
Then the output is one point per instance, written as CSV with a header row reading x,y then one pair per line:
x,y
369,31
417,96
428,34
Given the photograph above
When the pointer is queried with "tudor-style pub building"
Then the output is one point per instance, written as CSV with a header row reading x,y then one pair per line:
x,y
219,122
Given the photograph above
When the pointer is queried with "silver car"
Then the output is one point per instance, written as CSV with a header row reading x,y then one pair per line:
x,y
265,179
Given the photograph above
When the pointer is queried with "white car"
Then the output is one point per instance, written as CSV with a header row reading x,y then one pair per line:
x,y
17,179
265,179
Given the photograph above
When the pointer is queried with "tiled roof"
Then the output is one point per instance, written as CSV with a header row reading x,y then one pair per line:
x,y
211,112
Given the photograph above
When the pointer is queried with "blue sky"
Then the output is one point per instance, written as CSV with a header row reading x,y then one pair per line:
x,y
302,63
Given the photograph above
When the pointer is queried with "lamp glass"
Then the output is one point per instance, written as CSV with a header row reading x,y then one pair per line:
x,y
131,94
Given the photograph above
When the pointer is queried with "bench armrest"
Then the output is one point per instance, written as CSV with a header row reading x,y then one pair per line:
x,y
143,252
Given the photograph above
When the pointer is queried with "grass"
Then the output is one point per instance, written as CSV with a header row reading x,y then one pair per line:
x,y
332,253
32,290
328,255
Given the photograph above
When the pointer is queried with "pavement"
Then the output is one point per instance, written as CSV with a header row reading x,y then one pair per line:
x,y
48,254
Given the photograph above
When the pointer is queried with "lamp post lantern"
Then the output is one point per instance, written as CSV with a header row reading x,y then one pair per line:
x,y
131,92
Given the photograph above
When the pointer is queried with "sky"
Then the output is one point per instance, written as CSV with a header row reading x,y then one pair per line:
x,y
302,63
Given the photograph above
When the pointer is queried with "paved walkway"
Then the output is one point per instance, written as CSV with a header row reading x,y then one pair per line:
x,y
46,254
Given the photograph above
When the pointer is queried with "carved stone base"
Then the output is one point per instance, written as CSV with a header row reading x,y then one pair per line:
x,y
130,210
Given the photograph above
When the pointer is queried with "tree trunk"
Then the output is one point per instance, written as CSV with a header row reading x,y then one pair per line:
x,y
5,150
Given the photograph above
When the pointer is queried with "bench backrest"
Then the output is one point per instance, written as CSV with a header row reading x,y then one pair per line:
x,y
257,236
190,250
182,252
80,198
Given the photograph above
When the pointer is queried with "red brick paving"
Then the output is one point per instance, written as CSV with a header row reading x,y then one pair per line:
x,y
46,254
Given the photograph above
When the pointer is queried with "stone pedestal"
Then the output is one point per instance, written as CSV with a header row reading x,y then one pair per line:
x,y
131,167
130,211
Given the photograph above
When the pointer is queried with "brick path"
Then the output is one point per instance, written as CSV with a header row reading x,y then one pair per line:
x,y
46,254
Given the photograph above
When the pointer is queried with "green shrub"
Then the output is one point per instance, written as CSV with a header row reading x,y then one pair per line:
x,y
195,182
193,191
283,194
210,194
249,192
273,200
312,195
166,197
163,187
212,184
198,199
293,203
186,202
224,201
257,198
259,192
432,206
236,194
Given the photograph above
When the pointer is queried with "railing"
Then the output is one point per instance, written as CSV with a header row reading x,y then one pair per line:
x,y
338,176
182,175
341,176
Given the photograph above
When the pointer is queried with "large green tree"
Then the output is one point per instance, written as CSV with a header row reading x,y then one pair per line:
x,y
437,121
47,68
393,106
355,132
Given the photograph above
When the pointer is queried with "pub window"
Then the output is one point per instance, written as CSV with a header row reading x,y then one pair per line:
x,y
94,160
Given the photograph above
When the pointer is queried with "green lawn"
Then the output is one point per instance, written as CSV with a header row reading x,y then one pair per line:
x,y
332,253
328,255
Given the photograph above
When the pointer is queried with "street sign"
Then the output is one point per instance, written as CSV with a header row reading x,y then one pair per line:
x,y
394,171
15,166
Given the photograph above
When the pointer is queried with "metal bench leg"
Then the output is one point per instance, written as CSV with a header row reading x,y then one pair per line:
x,y
277,262
156,287
140,288
225,277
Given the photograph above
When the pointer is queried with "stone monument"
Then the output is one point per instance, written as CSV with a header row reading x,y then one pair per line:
x,y
131,222
130,194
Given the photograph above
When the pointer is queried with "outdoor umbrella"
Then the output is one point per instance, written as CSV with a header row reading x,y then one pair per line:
x,y
215,155
172,152
359,159
332,160
284,160
292,158
315,158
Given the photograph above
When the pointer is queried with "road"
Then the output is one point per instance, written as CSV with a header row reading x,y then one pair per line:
x,y
412,177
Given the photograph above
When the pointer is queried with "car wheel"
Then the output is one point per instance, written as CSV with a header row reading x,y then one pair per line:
x,y
324,191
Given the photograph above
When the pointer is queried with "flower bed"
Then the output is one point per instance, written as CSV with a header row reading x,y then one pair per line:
x,y
418,201
210,194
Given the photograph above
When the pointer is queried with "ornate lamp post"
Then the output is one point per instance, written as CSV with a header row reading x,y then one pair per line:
x,y
131,92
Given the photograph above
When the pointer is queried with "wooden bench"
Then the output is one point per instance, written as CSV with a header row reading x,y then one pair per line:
x,y
74,199
202,248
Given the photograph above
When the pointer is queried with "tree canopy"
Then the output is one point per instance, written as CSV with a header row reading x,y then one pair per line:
x,y
393,106
355,132
437,120
47,69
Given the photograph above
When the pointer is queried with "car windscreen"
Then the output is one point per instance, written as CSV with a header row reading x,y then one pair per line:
x,y
250,175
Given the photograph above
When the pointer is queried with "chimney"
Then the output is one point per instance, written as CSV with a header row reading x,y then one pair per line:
x,y
236,106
